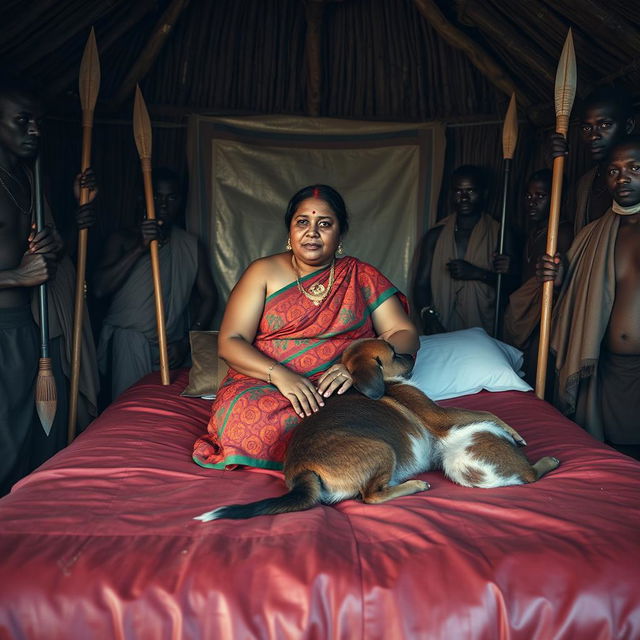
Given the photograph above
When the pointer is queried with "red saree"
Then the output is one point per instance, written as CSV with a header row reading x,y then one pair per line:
x,y
251,422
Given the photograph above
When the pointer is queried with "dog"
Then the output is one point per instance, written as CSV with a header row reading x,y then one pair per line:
x,y
374,442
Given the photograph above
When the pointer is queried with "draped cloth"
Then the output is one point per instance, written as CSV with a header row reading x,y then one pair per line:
x,y
61,298
128,342
251,421
580,319
583,196
522,315
463,304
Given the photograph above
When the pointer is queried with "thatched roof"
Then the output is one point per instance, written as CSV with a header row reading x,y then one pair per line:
x,y
403,60
393,59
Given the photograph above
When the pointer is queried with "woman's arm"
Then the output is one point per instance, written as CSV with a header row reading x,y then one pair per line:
x,y
392,324
238,331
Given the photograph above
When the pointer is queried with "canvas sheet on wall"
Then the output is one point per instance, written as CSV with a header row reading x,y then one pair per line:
x,y
243,171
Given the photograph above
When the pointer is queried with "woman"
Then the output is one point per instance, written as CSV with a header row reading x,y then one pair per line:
x,y
286,324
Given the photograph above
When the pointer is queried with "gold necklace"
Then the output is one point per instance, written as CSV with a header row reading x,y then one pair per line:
x,y
317,292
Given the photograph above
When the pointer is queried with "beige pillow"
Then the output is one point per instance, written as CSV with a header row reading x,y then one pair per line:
x,y
207,370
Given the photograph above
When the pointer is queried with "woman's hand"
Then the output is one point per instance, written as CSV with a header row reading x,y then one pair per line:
x,y
300,392
334,378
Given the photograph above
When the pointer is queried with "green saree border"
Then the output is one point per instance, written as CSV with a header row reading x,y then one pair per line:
x,y
323,337
252,462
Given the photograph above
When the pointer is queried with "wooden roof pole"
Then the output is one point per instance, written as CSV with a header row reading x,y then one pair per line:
x,y
137,11
499,30
151,50
314,14
477,56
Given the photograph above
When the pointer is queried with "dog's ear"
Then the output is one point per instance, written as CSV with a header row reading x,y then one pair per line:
x,y
368,379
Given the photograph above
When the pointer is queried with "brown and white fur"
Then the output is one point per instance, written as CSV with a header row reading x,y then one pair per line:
x,y
374,442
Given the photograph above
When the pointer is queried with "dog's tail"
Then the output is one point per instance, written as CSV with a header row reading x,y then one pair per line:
x,y
305,493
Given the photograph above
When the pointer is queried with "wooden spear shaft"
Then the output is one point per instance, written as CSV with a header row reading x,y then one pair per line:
x,y
565,92
143,136
509,141
89,85
155,270
503,219
46,394
78,310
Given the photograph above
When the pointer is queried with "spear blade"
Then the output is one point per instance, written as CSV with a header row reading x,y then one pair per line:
x,y
89,80
566,82
510,129
141,126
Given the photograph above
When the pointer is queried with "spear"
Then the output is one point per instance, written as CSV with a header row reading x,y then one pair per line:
x,y
46,395
143,138
89,85
565,92
509,141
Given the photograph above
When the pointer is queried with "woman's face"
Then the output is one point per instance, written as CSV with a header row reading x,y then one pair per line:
x,y
314,232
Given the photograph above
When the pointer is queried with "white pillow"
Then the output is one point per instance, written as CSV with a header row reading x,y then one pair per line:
x,y
464,362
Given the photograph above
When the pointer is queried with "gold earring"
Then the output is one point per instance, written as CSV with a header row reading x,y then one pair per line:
x,y
288,247
340,248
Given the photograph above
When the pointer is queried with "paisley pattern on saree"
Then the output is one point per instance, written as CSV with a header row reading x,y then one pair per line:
x,y
251,421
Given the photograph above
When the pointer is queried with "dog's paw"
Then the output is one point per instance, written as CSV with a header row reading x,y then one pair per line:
x,y
422,486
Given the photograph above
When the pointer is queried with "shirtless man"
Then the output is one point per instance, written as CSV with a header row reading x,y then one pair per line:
x,y
457,271
27,259
596,325
128,346
607,117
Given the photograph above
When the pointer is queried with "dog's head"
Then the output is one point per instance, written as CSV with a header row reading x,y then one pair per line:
x,y
372,363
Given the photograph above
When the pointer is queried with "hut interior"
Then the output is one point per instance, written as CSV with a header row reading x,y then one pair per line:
x,y
412,61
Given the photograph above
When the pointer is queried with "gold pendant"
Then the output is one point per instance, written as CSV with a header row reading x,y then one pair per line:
x,y
317,289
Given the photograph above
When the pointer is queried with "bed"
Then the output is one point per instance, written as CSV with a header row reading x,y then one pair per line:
x,y
100,542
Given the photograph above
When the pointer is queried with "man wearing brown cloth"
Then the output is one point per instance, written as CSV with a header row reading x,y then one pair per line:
x,y
596,321
456,276
27,259
522,315
607,116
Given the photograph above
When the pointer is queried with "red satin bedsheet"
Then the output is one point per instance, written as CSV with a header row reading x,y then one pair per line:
x,y
99,543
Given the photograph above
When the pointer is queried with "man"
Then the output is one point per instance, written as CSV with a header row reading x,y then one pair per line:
x,y
596,321
457,269
522,315
28,259
607,117
128,347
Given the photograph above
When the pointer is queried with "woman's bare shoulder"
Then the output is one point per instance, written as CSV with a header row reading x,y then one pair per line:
x,y
272,272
